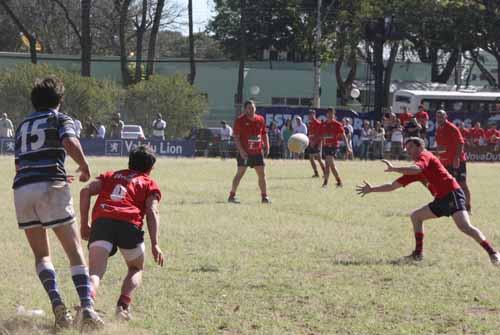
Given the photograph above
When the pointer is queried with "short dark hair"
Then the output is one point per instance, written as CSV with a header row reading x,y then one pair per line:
x,y
330,109
248,102
141,158
47,93
415,140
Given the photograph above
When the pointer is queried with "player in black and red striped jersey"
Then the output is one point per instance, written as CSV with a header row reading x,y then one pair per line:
x,y
124,198
449,198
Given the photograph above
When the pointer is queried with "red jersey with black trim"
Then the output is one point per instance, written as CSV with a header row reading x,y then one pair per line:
x,y
314,131
331,131
449,137
476,134
123,196
407,179
440,181
251,132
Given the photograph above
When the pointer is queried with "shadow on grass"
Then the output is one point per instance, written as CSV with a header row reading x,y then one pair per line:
x,y
25,325
367,262
206,268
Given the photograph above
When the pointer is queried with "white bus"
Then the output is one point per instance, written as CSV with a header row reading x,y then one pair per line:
x,y
450,101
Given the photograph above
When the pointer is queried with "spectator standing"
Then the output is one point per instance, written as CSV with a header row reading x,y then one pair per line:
x,y
90,128
366,136
465,132
286,133
78,127
477,134
226,133
423,119
397,141
159,126
349,132
101,130
405,117
378,137
116,126
491,135
274,141
6,127
299,127
412,128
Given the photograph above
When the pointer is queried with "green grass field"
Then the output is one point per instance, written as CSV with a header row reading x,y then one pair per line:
x,y
315,261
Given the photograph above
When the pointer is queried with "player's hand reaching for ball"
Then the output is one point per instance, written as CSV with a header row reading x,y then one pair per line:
x,y
364,189
389,165
157,254
84,171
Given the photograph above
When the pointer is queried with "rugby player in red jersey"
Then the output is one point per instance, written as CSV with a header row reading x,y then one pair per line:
x,y
251,139
314,148
124,198
451,144
448,196
331,131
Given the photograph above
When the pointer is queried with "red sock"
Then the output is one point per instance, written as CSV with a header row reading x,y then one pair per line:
x,y
419,243
124,301
487,246
232,194
264,195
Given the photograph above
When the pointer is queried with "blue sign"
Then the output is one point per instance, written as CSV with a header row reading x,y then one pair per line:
x,y
99,147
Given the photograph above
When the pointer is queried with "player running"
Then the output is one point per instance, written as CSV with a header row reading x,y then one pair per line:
x,y
331,131
124,198
42,196
250,138
314,148
450,140
449,198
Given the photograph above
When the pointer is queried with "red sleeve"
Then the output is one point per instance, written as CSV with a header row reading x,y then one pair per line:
x,y
408,179
426,116
104,176
458,134
340,129
154,189
236,128
264,128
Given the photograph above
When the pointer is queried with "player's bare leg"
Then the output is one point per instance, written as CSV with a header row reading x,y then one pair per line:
x,y
98,263
261,174
313,165
69,237
236,182
131,282
462,220
417,219
335,172
328,160
465,188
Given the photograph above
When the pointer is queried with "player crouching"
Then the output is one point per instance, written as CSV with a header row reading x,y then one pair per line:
x,y
449,197
124,197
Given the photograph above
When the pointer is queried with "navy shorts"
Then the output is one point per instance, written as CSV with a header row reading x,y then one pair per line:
x,y
251,161
120,234
313,149
449,204
459,174
329,151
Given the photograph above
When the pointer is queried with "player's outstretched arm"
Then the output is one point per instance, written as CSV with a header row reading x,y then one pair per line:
x,y
366,188
86,194
406,170
153,221
75,151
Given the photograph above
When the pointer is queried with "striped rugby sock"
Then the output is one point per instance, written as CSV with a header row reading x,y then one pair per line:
x,y
81,279
47,275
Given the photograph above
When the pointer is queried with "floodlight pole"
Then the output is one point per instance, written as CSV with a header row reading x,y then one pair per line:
x,y
317,59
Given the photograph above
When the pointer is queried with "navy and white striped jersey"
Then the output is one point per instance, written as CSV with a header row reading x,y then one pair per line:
x,y
39,152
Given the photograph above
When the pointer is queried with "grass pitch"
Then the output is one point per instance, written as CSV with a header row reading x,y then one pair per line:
x,y
315,261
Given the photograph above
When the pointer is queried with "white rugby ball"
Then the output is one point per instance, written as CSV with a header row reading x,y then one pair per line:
x,y
297,143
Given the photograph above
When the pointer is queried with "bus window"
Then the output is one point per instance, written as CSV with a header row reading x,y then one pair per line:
x,y
402,98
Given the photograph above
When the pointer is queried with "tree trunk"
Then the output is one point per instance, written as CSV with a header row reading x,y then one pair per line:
x,y
141,29
345,86
31,38
85,39
152,38
388,74
489,77
192,75
317,60
445,75
123,43
243,56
